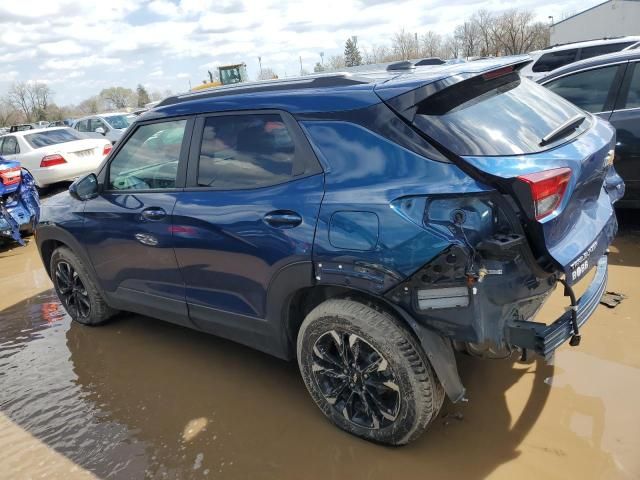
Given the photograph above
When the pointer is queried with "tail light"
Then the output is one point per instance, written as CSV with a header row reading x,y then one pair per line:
x,y
10,176
51,160
547,189
107,148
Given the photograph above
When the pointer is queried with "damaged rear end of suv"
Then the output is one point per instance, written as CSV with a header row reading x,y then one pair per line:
x,y
516,199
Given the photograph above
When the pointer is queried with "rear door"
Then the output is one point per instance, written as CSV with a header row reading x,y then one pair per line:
x,y
551,157
128,227
248,214
626,119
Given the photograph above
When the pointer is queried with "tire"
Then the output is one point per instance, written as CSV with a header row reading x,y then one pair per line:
x,y
76,290
409,395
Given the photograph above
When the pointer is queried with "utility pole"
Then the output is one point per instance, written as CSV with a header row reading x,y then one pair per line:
x,y
300,65
189,84
322,58
260,63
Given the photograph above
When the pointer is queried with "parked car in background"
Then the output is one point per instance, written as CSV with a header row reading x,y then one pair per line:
x,y
22,127
54,154
111,125
57,123
609,86
363,225
19,201
556,56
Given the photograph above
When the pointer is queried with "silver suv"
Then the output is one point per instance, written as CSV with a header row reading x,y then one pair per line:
x,y
111,125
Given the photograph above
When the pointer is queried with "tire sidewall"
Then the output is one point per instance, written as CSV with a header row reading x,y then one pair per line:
x,y
406,420
64,255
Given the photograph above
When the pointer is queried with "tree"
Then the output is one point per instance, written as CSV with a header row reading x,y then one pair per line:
x,y
405,45
91,105
352,56
267,74
8,114
32,99
143,96
336,62
117,98
430,44
318,68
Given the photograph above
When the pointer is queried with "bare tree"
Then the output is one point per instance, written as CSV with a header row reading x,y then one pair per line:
x,y
267,74
514,32
8,114
91,105
484,21
430,44
19,98
467,35
335,62
405,45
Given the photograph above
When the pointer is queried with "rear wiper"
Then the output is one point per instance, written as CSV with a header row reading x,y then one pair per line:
x,y
563,130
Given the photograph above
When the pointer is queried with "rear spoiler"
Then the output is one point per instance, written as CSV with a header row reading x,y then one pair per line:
x,y
405,92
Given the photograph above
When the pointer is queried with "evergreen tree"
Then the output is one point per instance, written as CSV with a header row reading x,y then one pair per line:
x,y
352,56
143,96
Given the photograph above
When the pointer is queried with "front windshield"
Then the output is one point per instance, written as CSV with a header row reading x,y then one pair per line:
x,y
117,121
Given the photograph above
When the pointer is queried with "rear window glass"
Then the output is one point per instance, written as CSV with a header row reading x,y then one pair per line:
x,y
552,60
45,138
508,115
588,90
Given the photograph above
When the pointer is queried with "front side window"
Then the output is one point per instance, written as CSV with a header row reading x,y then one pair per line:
x,y
97,123
83,126
552,60
245,151
588,90
149,159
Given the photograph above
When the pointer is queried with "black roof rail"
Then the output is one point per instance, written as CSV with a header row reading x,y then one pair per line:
x,y
429,61
299,83
404,65
584,41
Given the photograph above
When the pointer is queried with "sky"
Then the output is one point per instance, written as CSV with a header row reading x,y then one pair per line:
x,y
80,47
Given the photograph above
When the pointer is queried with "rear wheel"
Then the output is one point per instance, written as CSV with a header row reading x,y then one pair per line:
x,y
367,373
76,291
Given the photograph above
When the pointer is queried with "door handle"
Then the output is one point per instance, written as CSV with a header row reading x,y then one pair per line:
x,y
283,219
153,214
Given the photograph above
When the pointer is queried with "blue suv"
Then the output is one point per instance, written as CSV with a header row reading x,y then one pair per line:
x,y
365,225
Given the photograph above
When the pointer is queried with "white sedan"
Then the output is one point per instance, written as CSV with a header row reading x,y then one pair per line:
x,y
54,154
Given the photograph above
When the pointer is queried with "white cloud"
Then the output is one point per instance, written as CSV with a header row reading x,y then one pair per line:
x,y
123,42
9,76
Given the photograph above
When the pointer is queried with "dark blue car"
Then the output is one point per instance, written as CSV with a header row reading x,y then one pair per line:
x,y
363,225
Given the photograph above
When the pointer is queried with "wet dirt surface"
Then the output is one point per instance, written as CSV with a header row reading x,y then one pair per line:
x,y
139,397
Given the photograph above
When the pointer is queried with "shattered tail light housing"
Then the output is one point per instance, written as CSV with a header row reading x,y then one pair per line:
x,y
547,189
10,176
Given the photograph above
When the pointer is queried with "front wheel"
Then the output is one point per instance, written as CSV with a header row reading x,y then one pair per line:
x,y
76,290
367,373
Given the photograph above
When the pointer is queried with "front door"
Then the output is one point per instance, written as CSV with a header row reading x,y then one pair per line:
x,y
128,227
249,211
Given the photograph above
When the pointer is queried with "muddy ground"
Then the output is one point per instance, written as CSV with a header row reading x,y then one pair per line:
x,y
139,397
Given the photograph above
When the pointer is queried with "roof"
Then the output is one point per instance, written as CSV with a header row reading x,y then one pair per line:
x,y
580,13
622,56
587,43
323,93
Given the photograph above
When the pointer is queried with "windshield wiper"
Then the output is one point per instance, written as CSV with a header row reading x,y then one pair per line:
x,y
563,130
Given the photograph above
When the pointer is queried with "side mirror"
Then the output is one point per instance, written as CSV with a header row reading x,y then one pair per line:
x,y
84,188
100,130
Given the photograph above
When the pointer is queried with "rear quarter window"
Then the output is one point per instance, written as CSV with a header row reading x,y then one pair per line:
x,y
508,115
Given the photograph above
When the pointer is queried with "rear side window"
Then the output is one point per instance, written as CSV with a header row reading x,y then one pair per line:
x,y
508,115
46,138
149,159
588,90
633,98
552,60
9,146
245,151
589,52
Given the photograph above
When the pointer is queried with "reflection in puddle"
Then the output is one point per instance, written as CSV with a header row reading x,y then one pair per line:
x,y
139,397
